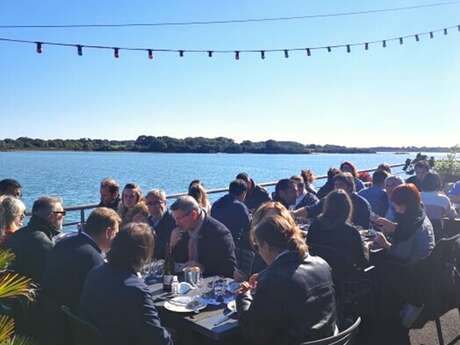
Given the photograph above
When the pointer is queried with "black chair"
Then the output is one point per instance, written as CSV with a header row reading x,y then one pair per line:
x,y
343,338
245,260
83,332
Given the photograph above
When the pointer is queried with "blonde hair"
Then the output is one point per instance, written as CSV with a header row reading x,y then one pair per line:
x,y
139,208
122,209
10,209
198,192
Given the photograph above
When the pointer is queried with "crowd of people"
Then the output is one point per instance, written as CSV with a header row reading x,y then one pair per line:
x,y
287,294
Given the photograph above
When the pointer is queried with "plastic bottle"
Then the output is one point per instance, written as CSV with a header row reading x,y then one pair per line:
x,y
175,285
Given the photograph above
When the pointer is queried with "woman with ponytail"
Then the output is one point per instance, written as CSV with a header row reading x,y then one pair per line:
x,y
294,300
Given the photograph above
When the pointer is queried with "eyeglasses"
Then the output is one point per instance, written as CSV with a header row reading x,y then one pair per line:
x,y
183,216
63,213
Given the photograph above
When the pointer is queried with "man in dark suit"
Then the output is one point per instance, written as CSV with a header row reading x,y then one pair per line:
x,y
110,194
231,211
160,219
256,195
200,240
68,265
32,243
116,300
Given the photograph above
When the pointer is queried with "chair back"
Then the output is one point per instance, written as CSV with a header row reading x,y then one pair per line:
x,y
83,332
245,259
343,338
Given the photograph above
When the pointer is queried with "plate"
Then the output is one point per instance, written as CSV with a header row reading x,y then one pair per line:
x,y
231,306
185,304
233,287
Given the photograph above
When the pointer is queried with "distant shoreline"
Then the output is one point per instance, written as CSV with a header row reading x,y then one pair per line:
x,y
193,145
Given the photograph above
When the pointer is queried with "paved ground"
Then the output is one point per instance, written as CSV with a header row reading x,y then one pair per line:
x,y
450,324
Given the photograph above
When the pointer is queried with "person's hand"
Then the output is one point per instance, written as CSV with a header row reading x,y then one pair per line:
x,y
385,225
380,241
239,276
249,285
176,236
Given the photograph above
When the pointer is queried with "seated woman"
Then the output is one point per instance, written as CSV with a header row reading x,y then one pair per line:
x,y
138,214
130,196
437,205
198,192
116,300
12,214
334,230
412,233
294,296
348,167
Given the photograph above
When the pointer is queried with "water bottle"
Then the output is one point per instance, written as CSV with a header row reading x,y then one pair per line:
x,y
175,285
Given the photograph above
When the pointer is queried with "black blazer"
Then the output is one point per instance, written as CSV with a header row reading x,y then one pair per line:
x,y
216,248
294,302
163,231
67,267
121,306
233,214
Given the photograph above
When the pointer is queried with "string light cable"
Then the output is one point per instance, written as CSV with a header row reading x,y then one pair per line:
x,y
39,46
236,21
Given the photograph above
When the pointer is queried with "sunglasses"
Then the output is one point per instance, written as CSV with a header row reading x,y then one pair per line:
x,y
59,212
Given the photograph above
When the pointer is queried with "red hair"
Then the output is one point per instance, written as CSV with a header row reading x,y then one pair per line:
x,y
406,194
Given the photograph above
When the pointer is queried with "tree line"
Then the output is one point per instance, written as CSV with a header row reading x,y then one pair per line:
x,y
173,145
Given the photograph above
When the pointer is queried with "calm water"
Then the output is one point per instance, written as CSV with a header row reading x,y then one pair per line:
x,y
75,176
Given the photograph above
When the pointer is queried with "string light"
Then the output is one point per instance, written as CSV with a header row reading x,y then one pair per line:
x,y
39,46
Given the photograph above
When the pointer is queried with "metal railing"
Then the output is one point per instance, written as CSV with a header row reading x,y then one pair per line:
x,y
82,208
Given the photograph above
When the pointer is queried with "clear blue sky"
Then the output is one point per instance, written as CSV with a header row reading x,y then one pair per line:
x,y
407,95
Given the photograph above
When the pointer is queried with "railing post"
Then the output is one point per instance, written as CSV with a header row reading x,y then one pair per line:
x,y
82,216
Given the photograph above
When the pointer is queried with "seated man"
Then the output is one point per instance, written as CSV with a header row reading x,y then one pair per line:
x,y
376,195
10,187
305,197
110,194
200,240
286,192
231,211
32,243
421,169
256,195
160,219
116,300
68,265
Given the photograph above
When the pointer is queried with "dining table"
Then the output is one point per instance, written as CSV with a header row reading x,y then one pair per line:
x,y
211,322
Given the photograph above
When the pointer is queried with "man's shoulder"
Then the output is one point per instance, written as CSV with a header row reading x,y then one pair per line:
x,y
78,245
213,227
260,190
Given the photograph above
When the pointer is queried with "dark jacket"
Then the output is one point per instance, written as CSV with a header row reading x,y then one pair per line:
x,y
345,239
67,267
413,179
31,246
163,230
361,210
256,197
377,198
233,214
121,306
216,248
294,302
113,205
325,189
